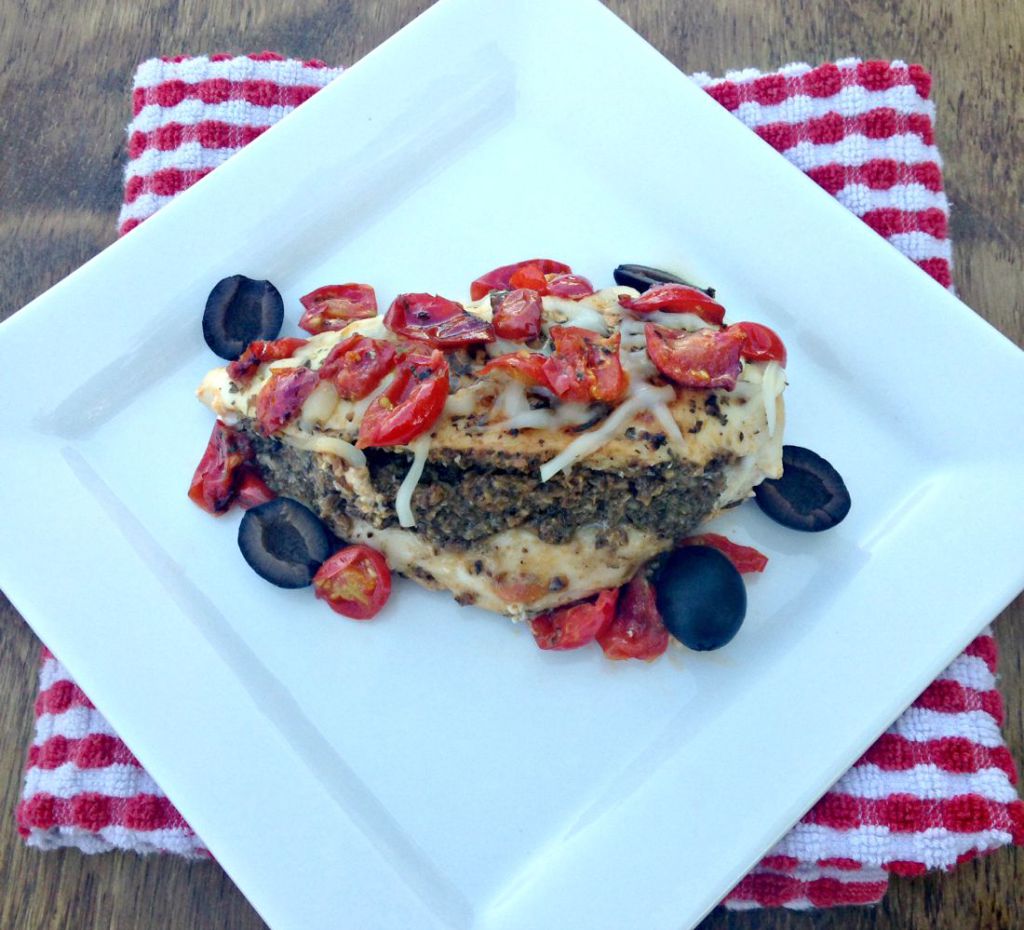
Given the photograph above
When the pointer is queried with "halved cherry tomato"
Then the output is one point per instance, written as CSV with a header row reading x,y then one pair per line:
x,y
216,477
355,582
244,367
762,344
637,630
676,298
529,276
527,367
585,366
570,286
576,625
336,305
500,278
357,365
708,358
516,314
281,398
745,558
252,489
437,321
411,404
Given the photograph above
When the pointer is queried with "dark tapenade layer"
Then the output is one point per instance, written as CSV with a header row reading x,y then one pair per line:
x,y
460,500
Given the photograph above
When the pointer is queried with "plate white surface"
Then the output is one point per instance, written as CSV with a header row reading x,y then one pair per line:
x,y
434,769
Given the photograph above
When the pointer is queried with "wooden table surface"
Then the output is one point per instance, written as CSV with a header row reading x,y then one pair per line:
x,y
64,101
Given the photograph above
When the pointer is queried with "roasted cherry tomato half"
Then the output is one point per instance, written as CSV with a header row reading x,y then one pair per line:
x,y
569,286
239,310
585,366
411,404
527,367
355,582
336,305
637,630
676,298
576,625
762,344
216,477
529,276
500,279
437,321
242,369
357,365
252,489
746,558
516,314
708,358
281,398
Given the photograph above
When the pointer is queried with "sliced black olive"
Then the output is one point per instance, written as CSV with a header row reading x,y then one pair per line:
x,y
284,542
809,496
238,311
701,597
643,278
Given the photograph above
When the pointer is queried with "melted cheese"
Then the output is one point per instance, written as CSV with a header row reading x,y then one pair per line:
x,y
644,398
403,500
332,445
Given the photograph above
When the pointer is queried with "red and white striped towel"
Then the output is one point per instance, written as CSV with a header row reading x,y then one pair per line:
x,y
935,790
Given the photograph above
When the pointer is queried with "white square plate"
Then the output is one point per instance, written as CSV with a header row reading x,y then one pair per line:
x,y
433,769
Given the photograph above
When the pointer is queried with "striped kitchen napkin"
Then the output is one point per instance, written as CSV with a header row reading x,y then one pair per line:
x,y
938,788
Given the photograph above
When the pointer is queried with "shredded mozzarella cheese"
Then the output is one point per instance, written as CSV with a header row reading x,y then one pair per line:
x,y
773,382
403,500
330,444
644,398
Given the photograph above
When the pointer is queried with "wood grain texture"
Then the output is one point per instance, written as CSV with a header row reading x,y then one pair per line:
x,y
60,186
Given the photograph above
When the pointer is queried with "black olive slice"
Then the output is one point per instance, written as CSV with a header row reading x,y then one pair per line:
x,y
238,311
809,496
701,597
643,278
284,542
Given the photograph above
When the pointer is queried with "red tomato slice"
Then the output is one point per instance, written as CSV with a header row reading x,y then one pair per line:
x,y
336,305
252,489
517,314
676,298
437,321
529,276
708,358
216,477
357,365
355,582
411,404
527,367
585,366
576,625
281,398
637,630
762,344
570,286
500,278
745,558
244,367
